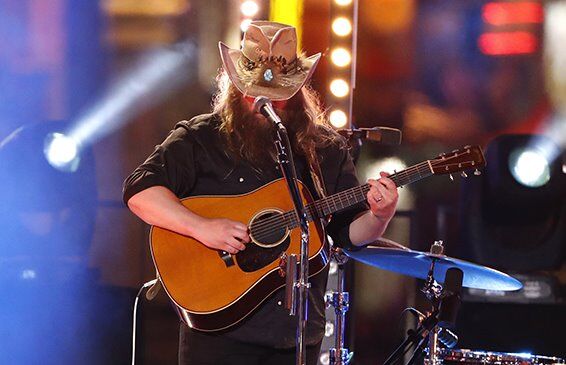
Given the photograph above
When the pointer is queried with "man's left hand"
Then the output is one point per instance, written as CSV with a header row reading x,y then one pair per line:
x,y
382,197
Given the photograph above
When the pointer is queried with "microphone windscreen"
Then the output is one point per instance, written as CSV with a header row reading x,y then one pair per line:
x,y
259,102
390,136
450,302
385,135
453,280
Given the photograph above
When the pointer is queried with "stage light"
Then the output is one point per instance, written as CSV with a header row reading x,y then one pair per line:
x,y
342,26
158,73
339,88
249,8
388,164
341,57
515,211
529,167
508,43
244,25
506,13
62,152
343,2
338,118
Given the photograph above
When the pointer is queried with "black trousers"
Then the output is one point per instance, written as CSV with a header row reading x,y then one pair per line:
x,y
196,348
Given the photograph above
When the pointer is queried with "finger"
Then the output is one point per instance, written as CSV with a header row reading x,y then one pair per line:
x,y
241,235
381,190
389,184
384,174
373,182
226,247
375,194
373,200
239,246
240,226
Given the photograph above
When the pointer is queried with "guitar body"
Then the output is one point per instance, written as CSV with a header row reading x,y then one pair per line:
x,y
215,290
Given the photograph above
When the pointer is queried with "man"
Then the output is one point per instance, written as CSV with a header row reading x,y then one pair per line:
x,y
231,152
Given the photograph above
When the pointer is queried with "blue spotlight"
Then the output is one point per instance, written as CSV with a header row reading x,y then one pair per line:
x,y
530,167
62,152
155,76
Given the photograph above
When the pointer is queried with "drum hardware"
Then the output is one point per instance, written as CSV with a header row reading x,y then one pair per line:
x,y
428,266
391,256
340,300
469,357
428,327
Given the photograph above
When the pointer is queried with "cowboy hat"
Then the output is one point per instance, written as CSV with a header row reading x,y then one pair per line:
x,y
267,64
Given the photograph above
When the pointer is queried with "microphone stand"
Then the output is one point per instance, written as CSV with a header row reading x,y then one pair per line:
x,y
415,337
299,283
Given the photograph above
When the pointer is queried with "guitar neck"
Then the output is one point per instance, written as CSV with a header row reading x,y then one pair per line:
x,y
350,197
347,198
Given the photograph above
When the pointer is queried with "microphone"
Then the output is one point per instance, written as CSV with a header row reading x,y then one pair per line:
x,y
262,105
385,135
447,337
449,306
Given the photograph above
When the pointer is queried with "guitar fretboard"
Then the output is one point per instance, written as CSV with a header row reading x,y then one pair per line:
x,y
350,197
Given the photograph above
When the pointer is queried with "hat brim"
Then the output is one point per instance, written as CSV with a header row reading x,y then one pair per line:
x,y
276,92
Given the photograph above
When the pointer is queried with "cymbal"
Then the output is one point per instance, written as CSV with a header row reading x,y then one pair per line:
x,y
417,264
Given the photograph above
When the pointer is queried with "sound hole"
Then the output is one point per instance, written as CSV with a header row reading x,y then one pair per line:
x,y
269,237
268,228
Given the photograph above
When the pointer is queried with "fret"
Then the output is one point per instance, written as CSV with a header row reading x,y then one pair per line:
x,y
349,197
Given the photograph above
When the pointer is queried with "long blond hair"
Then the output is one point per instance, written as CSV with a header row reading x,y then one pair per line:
x,y
308,130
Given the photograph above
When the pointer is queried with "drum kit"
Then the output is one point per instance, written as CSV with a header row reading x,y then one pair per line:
x,y
444,278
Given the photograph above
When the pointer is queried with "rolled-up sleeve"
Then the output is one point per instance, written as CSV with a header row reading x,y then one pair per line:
x,y
170,165
339,226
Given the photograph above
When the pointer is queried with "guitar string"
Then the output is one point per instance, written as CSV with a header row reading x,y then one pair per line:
x,y
288,219
337,199
347,192
339,196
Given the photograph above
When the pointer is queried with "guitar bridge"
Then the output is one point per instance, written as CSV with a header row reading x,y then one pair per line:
x,y
227,258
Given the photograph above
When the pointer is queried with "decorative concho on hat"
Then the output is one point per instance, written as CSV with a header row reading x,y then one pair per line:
x,y
267,64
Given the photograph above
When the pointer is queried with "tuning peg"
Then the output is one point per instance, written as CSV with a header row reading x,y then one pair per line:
x,y
477,172
463,174
451,177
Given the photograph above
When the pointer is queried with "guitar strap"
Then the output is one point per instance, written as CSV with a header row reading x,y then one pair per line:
x,y
318,181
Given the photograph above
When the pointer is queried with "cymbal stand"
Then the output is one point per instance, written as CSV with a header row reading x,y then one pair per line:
x,y
340,300
433,291
427,328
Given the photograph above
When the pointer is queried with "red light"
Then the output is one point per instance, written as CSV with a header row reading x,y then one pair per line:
x,y
501,13
507,43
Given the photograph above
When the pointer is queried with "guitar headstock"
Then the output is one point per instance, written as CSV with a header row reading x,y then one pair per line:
x,y
466,158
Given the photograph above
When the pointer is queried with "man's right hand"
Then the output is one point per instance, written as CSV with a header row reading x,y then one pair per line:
x,y
222,234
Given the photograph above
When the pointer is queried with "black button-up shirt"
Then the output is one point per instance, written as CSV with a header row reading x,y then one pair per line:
x,y
193,160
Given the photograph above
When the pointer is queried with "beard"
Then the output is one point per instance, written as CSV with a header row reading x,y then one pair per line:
x,y
252,135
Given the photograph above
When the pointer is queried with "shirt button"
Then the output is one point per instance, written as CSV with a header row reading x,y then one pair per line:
x,y
279,303
241,179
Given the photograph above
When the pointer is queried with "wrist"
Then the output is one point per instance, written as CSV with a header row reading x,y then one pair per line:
x,y
378,217
194,224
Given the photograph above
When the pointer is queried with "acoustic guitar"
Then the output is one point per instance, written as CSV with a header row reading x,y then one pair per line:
x,y
214,290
